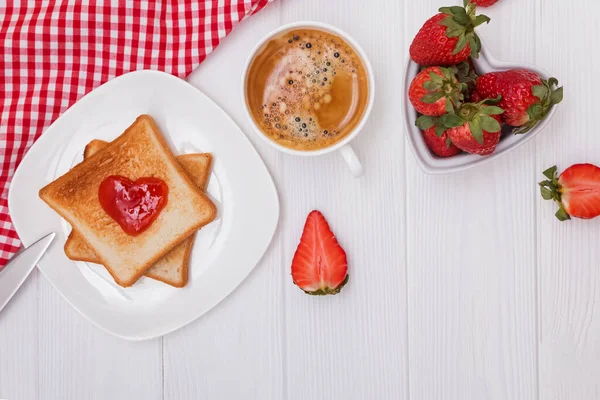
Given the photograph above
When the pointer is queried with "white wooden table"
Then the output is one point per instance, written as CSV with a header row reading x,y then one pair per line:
x,y
461,286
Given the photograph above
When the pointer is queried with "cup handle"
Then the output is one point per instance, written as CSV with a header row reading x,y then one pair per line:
x,y
352,160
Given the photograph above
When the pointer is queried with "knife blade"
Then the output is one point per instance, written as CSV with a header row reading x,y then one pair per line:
x,y
18,269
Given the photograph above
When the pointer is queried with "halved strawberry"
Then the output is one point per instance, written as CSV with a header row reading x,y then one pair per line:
x,y
576,191
319,266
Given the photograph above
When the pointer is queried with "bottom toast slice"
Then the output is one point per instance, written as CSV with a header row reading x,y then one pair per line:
x,y
172,268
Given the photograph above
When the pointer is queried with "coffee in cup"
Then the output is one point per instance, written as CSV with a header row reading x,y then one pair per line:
x,y
306,89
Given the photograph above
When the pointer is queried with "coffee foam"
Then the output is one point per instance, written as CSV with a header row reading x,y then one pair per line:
x,y
311,85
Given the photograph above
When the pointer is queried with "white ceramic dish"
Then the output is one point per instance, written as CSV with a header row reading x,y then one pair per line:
x,y
225,251
432,164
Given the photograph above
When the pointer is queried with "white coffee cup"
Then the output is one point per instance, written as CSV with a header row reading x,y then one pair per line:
x,y
343,146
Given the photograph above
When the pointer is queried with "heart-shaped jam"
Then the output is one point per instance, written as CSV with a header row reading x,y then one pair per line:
x,y
134,205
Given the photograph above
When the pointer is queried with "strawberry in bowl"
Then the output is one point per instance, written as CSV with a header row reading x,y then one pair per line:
x,y
525,97
435,91
448,37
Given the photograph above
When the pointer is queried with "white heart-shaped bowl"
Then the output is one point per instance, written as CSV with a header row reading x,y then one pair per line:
x,y
432,164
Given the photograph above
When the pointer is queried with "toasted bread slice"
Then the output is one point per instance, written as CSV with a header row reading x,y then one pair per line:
x,y
140,151
172,269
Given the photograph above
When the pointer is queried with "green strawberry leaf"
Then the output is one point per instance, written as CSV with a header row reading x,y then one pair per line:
x,y
535,112
491,110
445,10
492,101
550,173
433,77
551,82
432,97
447,22
451,121
462,42
481,19
453,32
448,142
473,46
461,17
449,73
562,215
456,9
425,122
449,106
546,193
476,131
439,130
557,96
489,124
540,91
431,86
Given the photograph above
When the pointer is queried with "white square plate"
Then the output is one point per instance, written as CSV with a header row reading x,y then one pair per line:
x,y
225,251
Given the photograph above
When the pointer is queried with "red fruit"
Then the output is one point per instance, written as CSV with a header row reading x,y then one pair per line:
x,y
319,266
576,191
433,88
440,145
465,139
526,98
448,38
475,97
484,3
475,128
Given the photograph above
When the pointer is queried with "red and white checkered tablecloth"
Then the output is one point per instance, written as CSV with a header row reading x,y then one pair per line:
x,y
53,53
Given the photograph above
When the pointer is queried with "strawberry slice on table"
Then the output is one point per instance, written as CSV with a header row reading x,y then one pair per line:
x,y
435,90
319,266
526,98
576,191
449,37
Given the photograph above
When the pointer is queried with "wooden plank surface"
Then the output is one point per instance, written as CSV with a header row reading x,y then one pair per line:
x,y
568,253
461,286
352,345
472,280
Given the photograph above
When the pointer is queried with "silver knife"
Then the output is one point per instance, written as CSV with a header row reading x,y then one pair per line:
x,y
18,269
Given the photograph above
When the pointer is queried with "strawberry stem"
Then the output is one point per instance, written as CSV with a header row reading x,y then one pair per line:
x,y
550,189
461,23
549,96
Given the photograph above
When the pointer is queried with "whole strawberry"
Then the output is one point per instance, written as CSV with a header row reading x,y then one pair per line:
x,y
576,191
436,137
484,3
435,90
475,128
449,37
441,145
526,98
